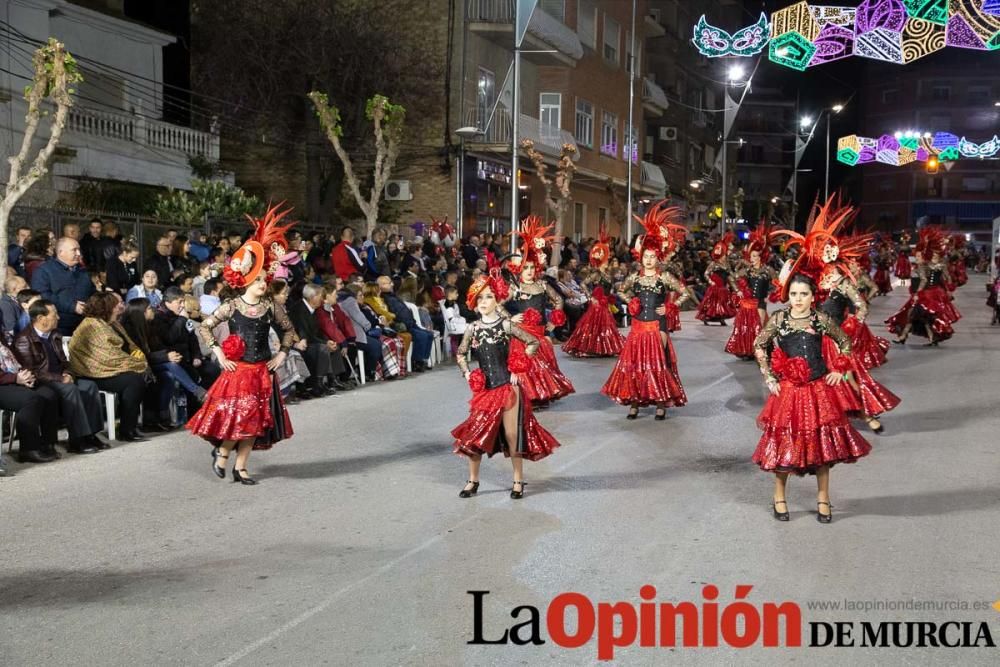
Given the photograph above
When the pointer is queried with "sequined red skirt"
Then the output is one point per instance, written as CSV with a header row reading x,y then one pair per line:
x,y
673,315
928,310
959,273
595,335
245,403
862,394
543,382
882,280
746,326
645,374
483,431
903,267
716,304
866,347
804,429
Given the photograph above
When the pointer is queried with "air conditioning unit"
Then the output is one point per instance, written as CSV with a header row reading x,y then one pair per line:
x,y
398,191
668,134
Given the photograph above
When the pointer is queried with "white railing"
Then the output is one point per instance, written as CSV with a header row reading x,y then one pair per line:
x,y
143,130
548,139
542,25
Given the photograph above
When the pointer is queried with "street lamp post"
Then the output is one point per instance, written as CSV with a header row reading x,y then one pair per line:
x,y
836,108
463,133
735,75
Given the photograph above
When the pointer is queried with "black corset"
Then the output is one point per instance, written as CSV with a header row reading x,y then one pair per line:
x,y
836,306
254,332
722,273
520,304
935,278
491,351
650,298
759,285
807,346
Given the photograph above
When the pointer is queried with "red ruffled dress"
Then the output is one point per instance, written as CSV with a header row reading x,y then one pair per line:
x,y
903,267
881,277
804,426
543,382
717,304
753,290
596,333
244,403
646,372
870,350
958,271
929,309
493,394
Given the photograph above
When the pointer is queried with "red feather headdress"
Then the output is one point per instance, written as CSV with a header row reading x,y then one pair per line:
x,y
664,233
493,278
600,253
262,251
930,240
534,240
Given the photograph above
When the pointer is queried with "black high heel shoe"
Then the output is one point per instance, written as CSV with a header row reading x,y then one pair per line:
x,y
661,414
780,516
468,493
517,495
244,478
219,472
633,413
823,518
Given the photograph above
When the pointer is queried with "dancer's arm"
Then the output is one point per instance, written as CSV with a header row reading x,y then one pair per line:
x,y
462,353
530,342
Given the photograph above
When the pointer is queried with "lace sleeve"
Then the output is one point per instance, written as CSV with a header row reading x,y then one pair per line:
x,y
557,301
763,343
859,303
674,285
462,357
221,315
625,292
288,336
923,273
836,333
530,342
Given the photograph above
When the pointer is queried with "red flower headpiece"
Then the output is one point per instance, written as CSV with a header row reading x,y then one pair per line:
x,y
600,253
262,251
759,241
493,279
664,233
721,248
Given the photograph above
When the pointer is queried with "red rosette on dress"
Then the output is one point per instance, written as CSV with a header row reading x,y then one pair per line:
x,y
531,317
518,362
558,318
842,363
234,347
600,297
743,285
790,369
634,306
477,381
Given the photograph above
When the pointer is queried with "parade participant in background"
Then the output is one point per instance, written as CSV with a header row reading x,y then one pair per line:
x,y
243,409
500,418
929,312
882,280
754,282
717,304
675,235
903,268
867,348
596,334
646,372
804,429
957,270
543,382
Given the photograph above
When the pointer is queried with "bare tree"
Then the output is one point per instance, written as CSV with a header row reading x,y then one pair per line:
x,y
55,71
557,190
387,121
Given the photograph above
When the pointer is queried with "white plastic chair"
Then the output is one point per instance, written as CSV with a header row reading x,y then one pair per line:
x,y
109,413
361,367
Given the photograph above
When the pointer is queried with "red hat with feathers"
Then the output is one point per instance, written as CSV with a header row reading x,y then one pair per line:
x,y
493,278
721,248
930,240
534,240
262,251
600,253
759,241
663,231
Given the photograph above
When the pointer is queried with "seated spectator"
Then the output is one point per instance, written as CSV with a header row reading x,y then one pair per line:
x,y
122,270
344,258
337,327
210,300
392,343
25,298
422,339
294,370
192,307
367,340
10,309
454,322
181,255
39,349
147,290
204,275
176,332
162,263
37,250
431,317
15,251
33,406
321,353
184,283
65,283
101,351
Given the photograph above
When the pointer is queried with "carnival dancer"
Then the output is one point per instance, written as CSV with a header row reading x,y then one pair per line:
x,y
883,282
717,304
675,235
243,409
754,282
957,269
929,313
500,418
596,333
543,382
870,350
805,431
903,268
646,372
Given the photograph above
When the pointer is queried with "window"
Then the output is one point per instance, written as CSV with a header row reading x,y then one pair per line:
x,y
485,97
554,8
631,146
979,95
586,23
584,123
550,109
941,93
609,134
890,96
612,37
579,216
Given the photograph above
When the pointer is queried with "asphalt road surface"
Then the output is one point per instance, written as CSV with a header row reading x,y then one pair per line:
x,y
354,549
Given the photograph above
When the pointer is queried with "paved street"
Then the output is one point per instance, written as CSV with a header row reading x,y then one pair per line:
x,y
355,549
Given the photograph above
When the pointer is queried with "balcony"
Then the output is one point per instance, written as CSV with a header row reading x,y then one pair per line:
x,y
652,178
143,131
654,100
653,27
548,140
494,20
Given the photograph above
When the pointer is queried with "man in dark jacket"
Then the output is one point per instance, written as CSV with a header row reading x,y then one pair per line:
x,y
319,350
422,339
90,246
174,332
162,263
61,280
39,349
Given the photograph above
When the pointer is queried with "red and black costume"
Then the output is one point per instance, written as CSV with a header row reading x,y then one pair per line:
x,y
717,305
754,285
903,268
493,394
929,312
543,382
804,427
646,372
957,269
596,333
882,280
246,403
